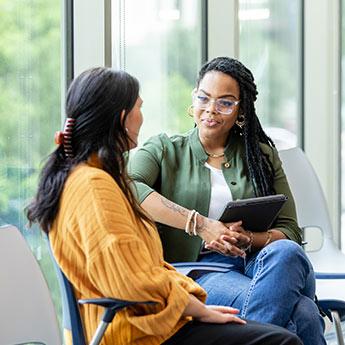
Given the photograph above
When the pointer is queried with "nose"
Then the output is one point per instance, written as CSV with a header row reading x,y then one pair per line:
x,y
211,107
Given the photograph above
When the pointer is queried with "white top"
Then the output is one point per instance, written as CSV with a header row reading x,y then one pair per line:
x,y
220,192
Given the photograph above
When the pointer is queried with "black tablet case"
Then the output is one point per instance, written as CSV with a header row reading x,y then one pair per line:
x,y
257,214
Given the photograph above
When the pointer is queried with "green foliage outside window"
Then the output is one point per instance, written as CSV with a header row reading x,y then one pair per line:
x,y
29,109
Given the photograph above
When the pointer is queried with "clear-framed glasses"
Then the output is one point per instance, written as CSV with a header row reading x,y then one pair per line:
x,y
223,105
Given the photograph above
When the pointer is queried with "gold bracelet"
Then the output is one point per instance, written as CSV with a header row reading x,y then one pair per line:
x,y
269,237
249,246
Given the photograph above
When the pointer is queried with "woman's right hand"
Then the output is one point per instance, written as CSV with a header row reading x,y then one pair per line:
x,y
211,313
213,232
220,314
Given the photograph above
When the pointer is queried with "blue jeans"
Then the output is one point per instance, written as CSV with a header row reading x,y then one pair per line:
x,y
275,285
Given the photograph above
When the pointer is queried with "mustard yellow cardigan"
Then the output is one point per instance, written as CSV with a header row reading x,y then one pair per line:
x,y
105,251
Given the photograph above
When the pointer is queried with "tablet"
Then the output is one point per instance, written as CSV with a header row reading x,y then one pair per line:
x,y
257,214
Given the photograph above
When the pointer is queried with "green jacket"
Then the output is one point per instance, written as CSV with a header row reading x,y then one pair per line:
x,y
174,167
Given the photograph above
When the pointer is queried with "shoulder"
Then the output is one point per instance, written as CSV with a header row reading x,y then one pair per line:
x,y
85,172
269,151
163,144
85,178
272,154
163,139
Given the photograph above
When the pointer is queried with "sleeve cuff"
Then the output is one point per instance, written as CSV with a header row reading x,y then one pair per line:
x,y
167,318
290,234
142,191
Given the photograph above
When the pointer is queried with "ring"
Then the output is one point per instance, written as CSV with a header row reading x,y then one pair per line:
x,y
229,246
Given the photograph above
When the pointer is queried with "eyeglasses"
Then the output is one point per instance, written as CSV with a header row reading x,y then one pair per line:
x,y
223,106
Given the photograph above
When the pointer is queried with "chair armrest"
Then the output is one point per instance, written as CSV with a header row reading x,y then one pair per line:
x,y
111,306
319,275
193,269
329,304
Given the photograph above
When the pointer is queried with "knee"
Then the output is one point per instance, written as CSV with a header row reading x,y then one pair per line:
x,y
287,251
306,314
288,246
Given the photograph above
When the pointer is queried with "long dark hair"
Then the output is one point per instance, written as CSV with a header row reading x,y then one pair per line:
x,y
259,166
95,100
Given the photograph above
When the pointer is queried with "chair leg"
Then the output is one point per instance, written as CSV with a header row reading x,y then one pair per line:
x,y
97,337
337,325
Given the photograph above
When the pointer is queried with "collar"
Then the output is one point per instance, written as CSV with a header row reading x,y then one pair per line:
x,y
198,149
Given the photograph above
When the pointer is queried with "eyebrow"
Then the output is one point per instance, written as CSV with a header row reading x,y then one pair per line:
x,y
222,96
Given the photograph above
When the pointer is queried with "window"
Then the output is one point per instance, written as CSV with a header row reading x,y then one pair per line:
x,y
342,166
29,109
160,43
270,44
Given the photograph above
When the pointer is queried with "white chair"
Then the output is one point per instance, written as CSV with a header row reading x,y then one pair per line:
x,y
27,313
312,212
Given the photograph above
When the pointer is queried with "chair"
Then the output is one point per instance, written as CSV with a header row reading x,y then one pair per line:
x,y
27,313
312,211
71,317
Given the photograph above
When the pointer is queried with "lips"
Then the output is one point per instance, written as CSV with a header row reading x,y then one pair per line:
x,y
209,122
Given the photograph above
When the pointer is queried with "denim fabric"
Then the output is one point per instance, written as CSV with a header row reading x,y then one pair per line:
x,y
275,285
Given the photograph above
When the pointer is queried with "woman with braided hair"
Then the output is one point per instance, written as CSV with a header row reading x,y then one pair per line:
x,y
184,182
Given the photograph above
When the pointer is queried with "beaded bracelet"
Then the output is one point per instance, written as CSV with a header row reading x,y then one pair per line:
x,y
192,217
195,223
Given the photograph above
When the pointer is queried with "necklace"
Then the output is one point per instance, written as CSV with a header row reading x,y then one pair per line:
x,y
215,155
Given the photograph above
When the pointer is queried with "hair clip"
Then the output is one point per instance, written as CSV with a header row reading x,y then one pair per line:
x,y
65,137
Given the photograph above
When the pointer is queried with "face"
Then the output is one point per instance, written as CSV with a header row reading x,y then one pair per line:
x,y
133,122
213,124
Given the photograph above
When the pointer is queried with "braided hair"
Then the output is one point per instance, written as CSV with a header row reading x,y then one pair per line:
x,y
259,166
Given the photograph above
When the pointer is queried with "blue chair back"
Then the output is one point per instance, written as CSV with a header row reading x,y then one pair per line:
x,y
70,310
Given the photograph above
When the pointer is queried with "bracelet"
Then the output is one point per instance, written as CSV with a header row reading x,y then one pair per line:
x,y
269,237
195,222
189,218
249,246
192,218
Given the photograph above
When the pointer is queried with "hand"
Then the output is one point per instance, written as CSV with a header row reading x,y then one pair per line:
x,y
242,236
232,241
220,314
210,230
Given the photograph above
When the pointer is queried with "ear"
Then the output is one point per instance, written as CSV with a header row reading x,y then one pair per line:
x,y
122,116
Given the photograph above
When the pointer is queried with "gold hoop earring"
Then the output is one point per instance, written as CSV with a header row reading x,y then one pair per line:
x,y
190,111
241,121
